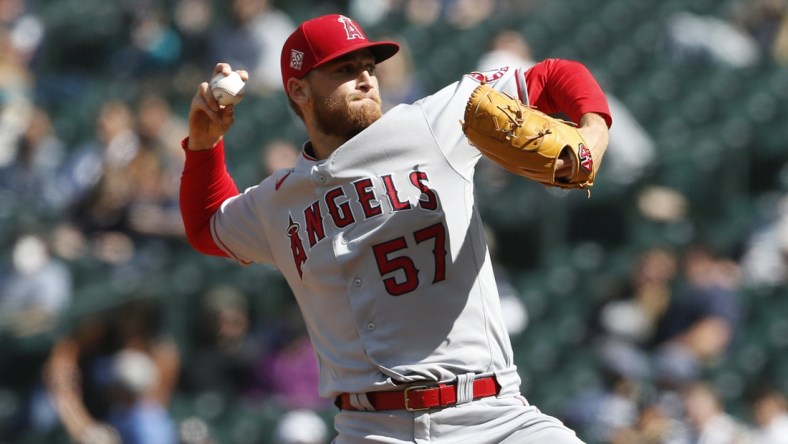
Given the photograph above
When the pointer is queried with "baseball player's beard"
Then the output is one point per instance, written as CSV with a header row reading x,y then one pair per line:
x,y
348,116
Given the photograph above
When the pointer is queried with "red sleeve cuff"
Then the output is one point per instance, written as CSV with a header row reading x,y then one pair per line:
x,y
205,184
185,146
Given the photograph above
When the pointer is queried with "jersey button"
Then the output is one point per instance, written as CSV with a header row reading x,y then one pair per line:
x,y
371,326
322,178
356,282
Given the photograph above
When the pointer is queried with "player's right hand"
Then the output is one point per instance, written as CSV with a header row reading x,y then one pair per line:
x,y
208,121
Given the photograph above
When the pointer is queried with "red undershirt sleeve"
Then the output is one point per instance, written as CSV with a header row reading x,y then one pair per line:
x,y
205,185
567,86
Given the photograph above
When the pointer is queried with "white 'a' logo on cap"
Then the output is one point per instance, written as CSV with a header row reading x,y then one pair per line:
x,y
350,28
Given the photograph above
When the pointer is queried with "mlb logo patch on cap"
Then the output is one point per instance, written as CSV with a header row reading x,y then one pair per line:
x,y
296,59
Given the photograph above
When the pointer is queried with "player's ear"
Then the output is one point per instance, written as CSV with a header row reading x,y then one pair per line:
x,y
298,91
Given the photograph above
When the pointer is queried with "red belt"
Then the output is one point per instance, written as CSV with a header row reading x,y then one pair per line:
x,y
421,397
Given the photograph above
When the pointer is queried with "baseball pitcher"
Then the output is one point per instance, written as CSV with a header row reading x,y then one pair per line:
x,y
377,233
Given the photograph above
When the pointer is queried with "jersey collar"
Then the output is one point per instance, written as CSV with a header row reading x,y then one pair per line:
x,y
308,151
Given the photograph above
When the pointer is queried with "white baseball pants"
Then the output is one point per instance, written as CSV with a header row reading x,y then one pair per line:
x,y
507,420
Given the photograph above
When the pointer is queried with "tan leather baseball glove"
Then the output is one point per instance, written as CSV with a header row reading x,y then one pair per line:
x,y
525,141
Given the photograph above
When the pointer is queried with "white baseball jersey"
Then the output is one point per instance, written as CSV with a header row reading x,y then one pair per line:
x,y
383,248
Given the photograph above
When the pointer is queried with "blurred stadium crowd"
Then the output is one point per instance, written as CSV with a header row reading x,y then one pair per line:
x,y
653,312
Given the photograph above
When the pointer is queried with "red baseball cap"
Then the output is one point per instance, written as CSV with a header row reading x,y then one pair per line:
x,y
322,39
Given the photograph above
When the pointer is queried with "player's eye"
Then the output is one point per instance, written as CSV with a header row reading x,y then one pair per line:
x,y
370,69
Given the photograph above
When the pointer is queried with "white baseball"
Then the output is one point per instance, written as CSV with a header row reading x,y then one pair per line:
x,y
228,89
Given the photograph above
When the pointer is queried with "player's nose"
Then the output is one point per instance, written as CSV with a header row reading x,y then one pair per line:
x,y
365,82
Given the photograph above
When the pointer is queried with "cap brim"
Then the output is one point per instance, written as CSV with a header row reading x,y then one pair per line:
x,y
381,50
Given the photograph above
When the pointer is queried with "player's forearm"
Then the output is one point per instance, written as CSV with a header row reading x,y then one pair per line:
x,y
205,184
567,87
594,130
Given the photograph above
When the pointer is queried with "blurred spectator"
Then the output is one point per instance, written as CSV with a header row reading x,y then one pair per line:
x,y
515,313
77,362
95,172
193,19
278,154
225,353
694,37
65,384
122,184
423,13
289,369
141,327
662,204
770,410
654,425
370,12
301,426
398,78
708,419
137,418
154,44
679,323
153,209
80,373
35,290
764,261
766,21
632,315
466,14
155,171
25,27
16,91
195,430
602,413
632,150
507,48
761,18
32,176
133,417
702,319
460,14
780,46
625,326
160,127
253,41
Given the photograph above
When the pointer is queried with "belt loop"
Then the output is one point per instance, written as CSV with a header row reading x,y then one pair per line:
x,y
360,401
465,388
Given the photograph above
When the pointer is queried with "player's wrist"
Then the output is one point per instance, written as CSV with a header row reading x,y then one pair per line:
x,y
201,144
594,130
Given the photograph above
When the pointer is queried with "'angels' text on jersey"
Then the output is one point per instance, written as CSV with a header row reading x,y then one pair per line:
x,y
362,202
